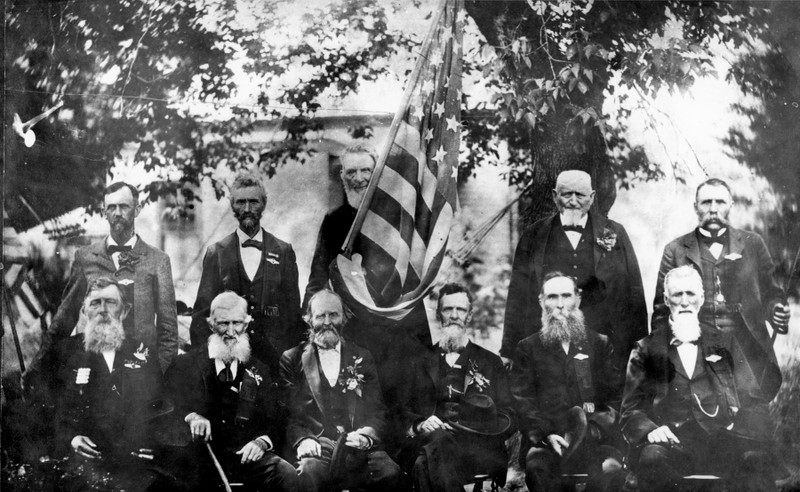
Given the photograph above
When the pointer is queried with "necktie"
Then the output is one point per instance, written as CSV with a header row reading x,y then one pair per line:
x,y
114,248
252,243
573,228
225,375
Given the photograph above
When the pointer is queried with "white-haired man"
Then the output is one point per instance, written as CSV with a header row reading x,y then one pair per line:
x,y
587,246
228,398
690,404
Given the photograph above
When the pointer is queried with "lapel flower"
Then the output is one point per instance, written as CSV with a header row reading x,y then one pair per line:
x,y
476,378
142,353
351,379
82,376
733,256
713,358
608,240
253,373
128,259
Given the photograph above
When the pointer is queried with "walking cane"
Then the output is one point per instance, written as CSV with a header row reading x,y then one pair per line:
x,y
794,276
220,471
10,314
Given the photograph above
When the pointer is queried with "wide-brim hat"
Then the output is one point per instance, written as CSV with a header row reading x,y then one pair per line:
x,y
477,414
575,425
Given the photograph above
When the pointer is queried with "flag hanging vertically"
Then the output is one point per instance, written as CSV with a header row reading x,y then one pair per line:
x,y
403,223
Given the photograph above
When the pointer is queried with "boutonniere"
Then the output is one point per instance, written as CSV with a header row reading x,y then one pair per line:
x,y
128,259
253,373
142,353
732,256
475,377
608,240
713,358
581,356
351,379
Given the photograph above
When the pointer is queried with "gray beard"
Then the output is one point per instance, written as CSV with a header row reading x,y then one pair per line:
x,y
685,327
568,328
354,196
572,216
102,335
454,338
239,350
325,338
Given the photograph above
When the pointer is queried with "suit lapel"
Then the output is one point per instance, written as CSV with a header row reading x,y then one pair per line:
x,y
541,239
141,249
431,363
736,243
311,371
101,256
598,224
675,360
692,248
229,262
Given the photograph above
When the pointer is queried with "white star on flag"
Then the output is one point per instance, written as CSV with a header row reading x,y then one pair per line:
x,y
427,86
436,59
418,112
439,157
439,110
428,135
446,35
453,124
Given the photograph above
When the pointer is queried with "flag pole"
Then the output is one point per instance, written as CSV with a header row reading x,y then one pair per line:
x,y
347,247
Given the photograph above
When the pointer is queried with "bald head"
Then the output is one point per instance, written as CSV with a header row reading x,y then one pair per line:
x,y
573,195
574,179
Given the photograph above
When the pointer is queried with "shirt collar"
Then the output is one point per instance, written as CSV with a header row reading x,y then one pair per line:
x,y
131,242
244,237
581,222
337,348
709,234
219,366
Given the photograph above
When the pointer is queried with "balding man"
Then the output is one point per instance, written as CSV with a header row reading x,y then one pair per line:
x,y
585,245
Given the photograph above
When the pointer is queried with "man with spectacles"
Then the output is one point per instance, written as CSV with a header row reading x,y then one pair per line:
x,y
228,398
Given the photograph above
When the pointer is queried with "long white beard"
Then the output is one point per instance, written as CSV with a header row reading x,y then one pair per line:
x,y
571,216
454,338
685,327
569,327
238,350
103,334
325,338
354,196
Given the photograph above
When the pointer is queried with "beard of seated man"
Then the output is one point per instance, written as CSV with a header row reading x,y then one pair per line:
x,y
103,333
325,337
229,349
454,338
560,328
685,327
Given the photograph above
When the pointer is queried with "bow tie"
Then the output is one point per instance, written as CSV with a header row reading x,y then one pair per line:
x,y
252,243
677,343
573,228
115,248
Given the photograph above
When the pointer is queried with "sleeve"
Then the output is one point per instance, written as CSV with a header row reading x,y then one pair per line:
x,y
505,402
209,287
185,386
771,294
291,290
318,277
532,422
519,296
637,398
374,410
613,379
167,319
660,308
290,377
636,317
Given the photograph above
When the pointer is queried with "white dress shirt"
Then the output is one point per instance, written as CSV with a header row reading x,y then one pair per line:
x,y
451,358
688,355
251,257
115,257
330,360
109,356
574,236
715,247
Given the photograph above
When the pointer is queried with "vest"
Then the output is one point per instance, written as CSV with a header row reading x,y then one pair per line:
x,y
578,263
334,401
681,403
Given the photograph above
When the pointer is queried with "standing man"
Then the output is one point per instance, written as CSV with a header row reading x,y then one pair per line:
x,y
587,246
739,286
568,387
104,386
458,406
143,271
690,406
228,398
334,395
259,267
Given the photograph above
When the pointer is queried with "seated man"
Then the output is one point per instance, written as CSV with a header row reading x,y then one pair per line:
x,y
228,399
335,407
567,387
106,382
447,391
690,405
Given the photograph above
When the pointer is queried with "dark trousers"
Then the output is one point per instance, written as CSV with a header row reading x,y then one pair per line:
x,y
371,470
446,460
543,467
111,474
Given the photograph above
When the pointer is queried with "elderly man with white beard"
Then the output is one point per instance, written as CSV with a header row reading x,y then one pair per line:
x,y
457,405
228,398
691,405
567,386
106,382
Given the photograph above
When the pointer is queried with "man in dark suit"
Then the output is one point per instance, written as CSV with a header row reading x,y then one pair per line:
x,y
690,404
446,387
591,248
143,271
106,381
567,386
259,267
229,399
390,342
739,285
334,395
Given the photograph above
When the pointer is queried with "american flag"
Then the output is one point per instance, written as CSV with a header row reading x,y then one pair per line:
x,y
409,207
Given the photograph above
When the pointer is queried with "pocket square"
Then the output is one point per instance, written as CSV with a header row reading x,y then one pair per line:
x,y
125,281
713,358
581,356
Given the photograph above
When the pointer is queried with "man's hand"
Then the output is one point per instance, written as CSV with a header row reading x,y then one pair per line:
x,y
780,318
507,363
432,423
252,451
85,447
662,435
557,443
308,448
199,426
358,441
588,407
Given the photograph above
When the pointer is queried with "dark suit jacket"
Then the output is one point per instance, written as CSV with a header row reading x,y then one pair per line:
x,y
546,382
623,310
421,391
154,316
277,316
109,408
754,286
260,408
300,376
652,368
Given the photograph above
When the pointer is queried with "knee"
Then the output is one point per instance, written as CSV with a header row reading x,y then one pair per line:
x,y
652,456
311,466
541,459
